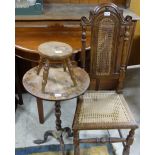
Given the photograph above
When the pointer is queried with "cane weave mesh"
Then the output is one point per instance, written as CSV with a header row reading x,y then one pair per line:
x,y
104,46
103,109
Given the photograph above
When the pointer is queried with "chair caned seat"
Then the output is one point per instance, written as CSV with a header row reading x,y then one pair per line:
x,y
103,110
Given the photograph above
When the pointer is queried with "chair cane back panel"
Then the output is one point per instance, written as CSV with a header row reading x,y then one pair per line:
x,y
103,49
105,28
109,42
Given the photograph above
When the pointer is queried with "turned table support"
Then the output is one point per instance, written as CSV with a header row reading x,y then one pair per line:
x,y
40,110
58,133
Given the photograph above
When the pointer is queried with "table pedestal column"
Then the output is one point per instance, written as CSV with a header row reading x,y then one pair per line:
x,y
58,133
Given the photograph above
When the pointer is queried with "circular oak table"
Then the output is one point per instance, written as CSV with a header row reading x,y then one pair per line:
x,y
59,88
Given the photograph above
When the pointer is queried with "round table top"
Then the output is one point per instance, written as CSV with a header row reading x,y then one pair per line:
x,y
59,84
55,50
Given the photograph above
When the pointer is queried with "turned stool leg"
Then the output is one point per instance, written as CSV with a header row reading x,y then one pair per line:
x,y
129,142
41,61
69,65
45,75
76,143
64,65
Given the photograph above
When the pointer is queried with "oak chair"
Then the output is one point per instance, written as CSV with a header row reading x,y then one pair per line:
x,y
105,110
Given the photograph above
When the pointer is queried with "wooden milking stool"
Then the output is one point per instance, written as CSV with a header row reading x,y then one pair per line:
x,y
54,51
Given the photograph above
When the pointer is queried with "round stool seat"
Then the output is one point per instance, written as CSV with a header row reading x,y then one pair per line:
x,y
55,50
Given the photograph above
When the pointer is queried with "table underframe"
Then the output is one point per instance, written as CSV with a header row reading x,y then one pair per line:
x,y
58,133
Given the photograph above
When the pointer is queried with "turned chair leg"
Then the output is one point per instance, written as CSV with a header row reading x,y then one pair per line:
x,y
129,142
40,110
76,143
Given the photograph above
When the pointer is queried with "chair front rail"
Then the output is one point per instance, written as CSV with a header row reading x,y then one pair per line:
x,y
103,140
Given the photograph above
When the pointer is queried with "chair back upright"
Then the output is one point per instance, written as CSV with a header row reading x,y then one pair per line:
x,y
109,46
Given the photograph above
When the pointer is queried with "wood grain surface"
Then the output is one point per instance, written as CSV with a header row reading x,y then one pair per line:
x,y
59,84
28,39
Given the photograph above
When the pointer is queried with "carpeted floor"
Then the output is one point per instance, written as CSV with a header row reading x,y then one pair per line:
x,y
29,129
86,149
